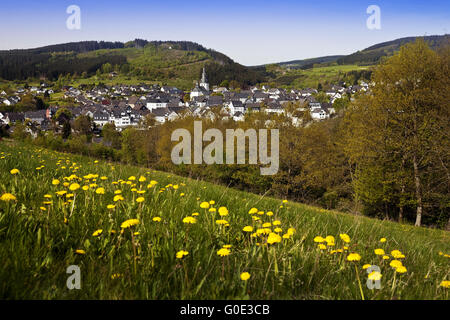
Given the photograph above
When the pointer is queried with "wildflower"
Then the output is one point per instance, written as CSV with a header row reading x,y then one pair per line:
x,y
345,237
14,171
267,225
7,197
181,254
222,222
223,211
132,178
117,192
397,254
223,252
189,220
118,198
319,239
212,202
55,182
291,231
43,208
276,222
129,223
110,206
365,266
140,199
445,284
273,238
85,188
375,275
97,233
212,210
195,214
278,230
401,269
383,240
74,187
353,257
253,211
80,251
395,263
204,205
115,276
322,246
385,257
269,213
156,219
247,229
379,252
245,276
100,191
142,179
61,193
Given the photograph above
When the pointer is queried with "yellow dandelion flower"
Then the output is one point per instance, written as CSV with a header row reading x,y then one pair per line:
x,y
345,237
375,275
353,257
97,233
204,205
7,197
14,171
118,198
278,230
319,239
383,240
195,214
181,254
267,225
156,219
401,269
248,229
212,209
142,179
221,222
385,257
269,213
110,206
223,211
74,187
80,251
223,252
140,199
132,178
189,220
445,284
100,191
379,252
55,182
253,211
321,246
273,238
365,266
291,231
395,263
397,254
129,223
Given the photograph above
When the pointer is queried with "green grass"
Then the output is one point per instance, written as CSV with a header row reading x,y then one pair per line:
x,y
37,246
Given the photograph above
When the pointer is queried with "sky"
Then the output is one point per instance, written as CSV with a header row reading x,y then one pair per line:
x,y
248,31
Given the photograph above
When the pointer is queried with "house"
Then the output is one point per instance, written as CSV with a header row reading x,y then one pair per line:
x,y
153,104
236,106
13,117
319,114
274,107
36,116
100,118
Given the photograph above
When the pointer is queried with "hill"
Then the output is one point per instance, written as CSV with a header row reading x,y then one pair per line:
x,y
140,59
137,233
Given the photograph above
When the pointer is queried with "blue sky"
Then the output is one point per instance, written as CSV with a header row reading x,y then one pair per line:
x,y
250,32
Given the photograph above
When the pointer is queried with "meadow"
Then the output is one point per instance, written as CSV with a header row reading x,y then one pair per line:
x,y
137,233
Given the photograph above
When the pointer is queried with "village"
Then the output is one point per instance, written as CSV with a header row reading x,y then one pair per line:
x,y
128,105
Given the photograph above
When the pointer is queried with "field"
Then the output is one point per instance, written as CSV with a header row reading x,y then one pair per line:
x,y
136,233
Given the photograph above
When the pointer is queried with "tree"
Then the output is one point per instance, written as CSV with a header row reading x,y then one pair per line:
x,y
83,125
393,133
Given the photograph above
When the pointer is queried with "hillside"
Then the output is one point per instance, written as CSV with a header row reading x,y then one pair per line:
x,y
137,233
165,61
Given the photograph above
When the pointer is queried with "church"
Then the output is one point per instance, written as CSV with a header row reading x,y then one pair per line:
x,y
201,89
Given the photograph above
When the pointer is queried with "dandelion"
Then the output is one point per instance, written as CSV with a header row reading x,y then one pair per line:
x,y
156,219
319,239
223,211
100,191
248,229
14,171
365,266
181,254
375,275
222,222
223,252
129,223
189,220
118,198
195,214
253,211
383,240
401,269
97,233
80,251
7,197
267,225
204,205
321,246
445,284
353,257
278,230
110,206
385,257
55,182
397,254
273,238
140,199
344,237
245,276
142,179
276,222
379,252
395,264
74,187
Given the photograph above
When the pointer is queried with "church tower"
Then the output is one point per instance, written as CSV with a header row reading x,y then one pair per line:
x,y
204,82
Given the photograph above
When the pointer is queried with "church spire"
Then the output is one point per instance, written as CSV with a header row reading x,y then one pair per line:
x,y
204,80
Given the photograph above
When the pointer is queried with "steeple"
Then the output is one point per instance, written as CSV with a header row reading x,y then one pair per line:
x,y
204,80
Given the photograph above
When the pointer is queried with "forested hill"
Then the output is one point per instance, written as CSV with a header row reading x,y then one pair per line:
x,y
147,60
373,54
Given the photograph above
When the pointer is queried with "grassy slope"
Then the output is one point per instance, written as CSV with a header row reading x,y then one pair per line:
x,y
34,263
